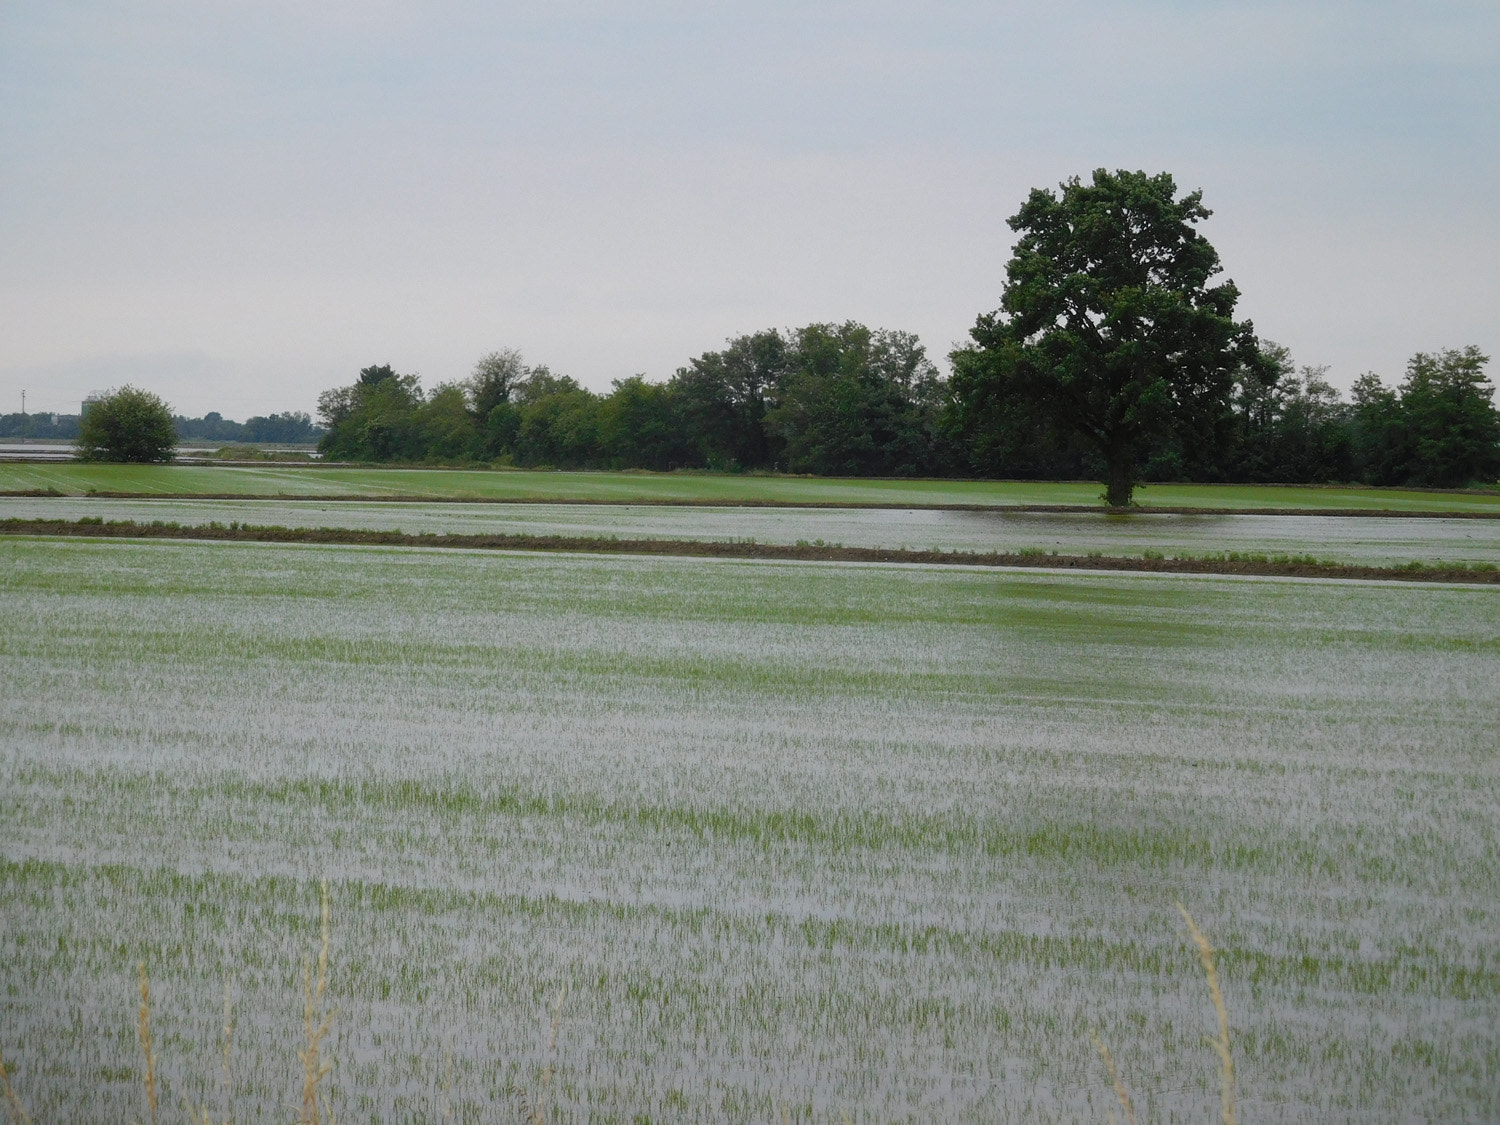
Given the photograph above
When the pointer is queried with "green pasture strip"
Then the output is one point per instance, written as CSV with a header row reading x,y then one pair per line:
x,y
1250,564
706,488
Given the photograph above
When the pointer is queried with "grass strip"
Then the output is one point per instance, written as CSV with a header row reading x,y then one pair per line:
x,y
821,505
1258,566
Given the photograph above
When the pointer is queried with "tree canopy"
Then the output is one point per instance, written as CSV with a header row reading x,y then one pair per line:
x,y
1109,332
825,398
127,424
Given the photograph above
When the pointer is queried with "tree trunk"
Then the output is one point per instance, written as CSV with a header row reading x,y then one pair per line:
x,y
1120,485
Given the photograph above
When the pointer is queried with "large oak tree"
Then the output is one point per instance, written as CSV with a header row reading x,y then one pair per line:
x,y
1109,332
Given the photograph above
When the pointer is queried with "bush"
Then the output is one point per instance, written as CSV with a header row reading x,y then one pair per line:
x,y
127,425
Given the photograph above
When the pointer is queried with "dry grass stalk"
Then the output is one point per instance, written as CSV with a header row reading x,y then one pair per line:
x,y
228,1044
1115,1080
539,1112
447,1103
143,1029
1221,1045
317,1023
18,1114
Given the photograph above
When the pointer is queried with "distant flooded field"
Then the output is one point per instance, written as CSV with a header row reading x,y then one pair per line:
x,y
1372,540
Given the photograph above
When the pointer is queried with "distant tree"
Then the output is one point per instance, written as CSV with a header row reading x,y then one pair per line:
x,y
57,427
857,402
1109,331
127,424
723,397
639,426
1439,428
1382,448
213,426
1314,440
1290,425
488,388
1258,399
444,426
291,426
495,375
374,418
557,422
1448,409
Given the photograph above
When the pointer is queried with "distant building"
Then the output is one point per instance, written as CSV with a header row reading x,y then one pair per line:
x,y
88,402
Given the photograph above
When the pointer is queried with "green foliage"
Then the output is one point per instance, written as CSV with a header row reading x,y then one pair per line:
x,y
1290,426
723,398
129,425
47,426
293,426
825,399
1439,429
857,402
639,426
1109,332
1447,403
558,422
374,419
847,400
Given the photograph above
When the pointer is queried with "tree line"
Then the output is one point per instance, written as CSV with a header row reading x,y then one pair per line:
x,y
1114,355
290,427
293,426
853,401
825,399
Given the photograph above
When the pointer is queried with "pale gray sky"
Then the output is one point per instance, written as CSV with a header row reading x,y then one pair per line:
x,y
239,204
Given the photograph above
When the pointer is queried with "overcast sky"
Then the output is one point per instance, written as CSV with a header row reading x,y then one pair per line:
x,y
239,204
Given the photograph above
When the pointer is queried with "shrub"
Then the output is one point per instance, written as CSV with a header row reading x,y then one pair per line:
x,y
127,424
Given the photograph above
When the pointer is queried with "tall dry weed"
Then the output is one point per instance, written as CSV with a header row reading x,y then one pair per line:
x,y
317,1024
228,1047
1114,1080
143,1032
13,1107
539,1109
1206,957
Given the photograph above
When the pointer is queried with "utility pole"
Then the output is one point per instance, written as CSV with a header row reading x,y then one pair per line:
x,y
23,404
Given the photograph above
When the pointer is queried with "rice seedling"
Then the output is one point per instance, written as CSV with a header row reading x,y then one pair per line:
x,y
877,841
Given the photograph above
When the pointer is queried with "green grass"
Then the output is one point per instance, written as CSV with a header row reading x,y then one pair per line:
x,y
883,841
694,487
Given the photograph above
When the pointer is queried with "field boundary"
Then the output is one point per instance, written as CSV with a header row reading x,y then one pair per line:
x,y
1255,566
822,505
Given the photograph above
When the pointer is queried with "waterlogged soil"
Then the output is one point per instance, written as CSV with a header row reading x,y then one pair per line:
x,y
1348,540
696,839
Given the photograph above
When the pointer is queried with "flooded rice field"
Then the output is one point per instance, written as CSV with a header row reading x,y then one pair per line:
x,y
686,839
1367,540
